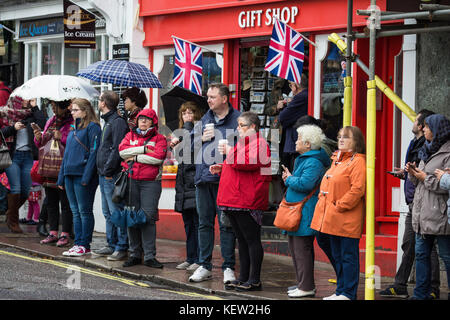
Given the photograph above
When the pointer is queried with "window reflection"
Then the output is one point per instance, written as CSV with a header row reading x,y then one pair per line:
x,y
332,91
51,58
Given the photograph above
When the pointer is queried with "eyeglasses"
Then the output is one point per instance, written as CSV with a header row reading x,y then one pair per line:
x,y
240,125
343,137
75,110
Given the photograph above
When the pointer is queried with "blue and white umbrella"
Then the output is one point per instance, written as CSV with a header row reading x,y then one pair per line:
x,y
121,72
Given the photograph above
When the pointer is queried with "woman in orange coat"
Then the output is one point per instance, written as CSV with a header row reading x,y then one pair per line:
x,y
340,209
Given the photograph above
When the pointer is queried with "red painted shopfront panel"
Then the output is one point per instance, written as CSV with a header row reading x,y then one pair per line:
x,y
223,22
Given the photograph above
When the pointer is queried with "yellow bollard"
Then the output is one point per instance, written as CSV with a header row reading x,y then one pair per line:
x,y
347,101
370,189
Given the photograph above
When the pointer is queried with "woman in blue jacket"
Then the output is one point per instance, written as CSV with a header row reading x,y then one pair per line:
x,y
309,169
78,174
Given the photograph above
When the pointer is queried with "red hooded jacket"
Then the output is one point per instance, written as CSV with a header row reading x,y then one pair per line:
x,y
149,164
246,173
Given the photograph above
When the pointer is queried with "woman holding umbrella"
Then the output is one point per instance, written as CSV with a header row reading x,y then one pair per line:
x,y
185,188
58,128
134,100
78,174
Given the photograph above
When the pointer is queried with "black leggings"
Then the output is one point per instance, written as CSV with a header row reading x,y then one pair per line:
x,y
54,198
251,253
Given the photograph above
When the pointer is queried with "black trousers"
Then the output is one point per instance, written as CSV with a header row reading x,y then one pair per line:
x,y
251,253
55,196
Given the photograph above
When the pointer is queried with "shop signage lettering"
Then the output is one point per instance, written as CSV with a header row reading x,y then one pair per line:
x,y
40,27
255,18
79,27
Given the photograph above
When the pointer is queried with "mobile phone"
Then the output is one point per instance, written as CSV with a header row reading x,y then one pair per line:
x,y
395,174
284,167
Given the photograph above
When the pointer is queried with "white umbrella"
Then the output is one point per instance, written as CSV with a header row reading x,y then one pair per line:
x,y
56,87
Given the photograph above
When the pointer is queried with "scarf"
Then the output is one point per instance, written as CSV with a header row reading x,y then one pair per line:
x,y
440,127
13,112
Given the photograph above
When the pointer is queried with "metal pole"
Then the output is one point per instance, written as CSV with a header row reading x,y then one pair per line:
x,y
370,162
409,15
400,32
348,78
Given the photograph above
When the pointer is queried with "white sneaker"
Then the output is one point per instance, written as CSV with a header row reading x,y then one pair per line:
x,y
228,275
297,293
69,252
330,297
341,297
183,266
201,274
193,267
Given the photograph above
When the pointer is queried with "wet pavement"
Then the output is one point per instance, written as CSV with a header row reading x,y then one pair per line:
x,y
276,275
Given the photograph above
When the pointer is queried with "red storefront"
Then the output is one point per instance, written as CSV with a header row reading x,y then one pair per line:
x,y
240,31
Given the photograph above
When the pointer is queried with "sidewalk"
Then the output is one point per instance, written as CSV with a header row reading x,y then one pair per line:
x,y
277,271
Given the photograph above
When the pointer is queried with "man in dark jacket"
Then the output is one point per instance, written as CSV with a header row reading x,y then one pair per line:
x,y
108,167
290,112
220,122
399,288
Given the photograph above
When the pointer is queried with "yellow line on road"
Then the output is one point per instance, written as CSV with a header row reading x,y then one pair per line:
x,y
103,275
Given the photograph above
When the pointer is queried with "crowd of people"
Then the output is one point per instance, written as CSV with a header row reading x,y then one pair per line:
x,y
225,172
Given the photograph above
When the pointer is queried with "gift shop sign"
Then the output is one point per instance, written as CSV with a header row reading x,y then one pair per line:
x,y
256,18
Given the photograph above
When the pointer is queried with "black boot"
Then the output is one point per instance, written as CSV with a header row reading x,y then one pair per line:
x,y
42,228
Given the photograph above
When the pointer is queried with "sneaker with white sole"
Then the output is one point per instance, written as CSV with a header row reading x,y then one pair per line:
x,y
298,293
77,251
228,275
330,297
340,297
193,267
118,256
183,266
201,274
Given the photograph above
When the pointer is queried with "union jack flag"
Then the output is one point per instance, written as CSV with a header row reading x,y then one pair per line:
x,y
188,66
286,53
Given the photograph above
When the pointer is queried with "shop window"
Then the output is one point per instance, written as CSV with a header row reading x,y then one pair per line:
x,y
72,61
332,91
51,58
32,60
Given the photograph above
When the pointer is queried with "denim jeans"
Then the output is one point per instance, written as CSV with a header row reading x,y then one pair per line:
x,y
345,252
206,198
190,219
117,238
81,199
19,173
424,245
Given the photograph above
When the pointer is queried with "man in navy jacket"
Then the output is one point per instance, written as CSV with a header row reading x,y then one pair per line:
x,y
108,167
224,118
289,114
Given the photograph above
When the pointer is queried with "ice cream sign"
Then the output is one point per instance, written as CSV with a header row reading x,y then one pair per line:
x,y
256,18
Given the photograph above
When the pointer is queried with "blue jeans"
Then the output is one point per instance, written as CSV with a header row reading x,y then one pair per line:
x,y
117,238
424,245
206,197
345,252
19,173
190,219
81,199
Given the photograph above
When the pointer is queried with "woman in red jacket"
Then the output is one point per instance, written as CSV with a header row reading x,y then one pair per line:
x,y
243,196
144,149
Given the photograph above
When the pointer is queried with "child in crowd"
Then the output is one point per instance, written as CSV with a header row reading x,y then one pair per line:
x,y
33,205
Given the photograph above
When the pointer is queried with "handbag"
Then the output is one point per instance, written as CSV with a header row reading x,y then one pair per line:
x,y
35,176
5,157
119,218
135,218
289,214
120,187
50,159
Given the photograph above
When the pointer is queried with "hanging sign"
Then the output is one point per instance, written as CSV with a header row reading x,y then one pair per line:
x,y
79,27
2,42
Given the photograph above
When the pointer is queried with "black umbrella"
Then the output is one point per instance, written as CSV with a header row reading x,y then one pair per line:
x,y
173,100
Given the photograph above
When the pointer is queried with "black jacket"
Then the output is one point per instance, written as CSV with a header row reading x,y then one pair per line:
x,y
185,187
38,117
114,130
7,132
